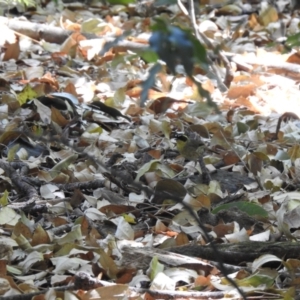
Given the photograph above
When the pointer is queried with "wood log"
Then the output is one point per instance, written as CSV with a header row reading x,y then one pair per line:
x,y
233,254
241,252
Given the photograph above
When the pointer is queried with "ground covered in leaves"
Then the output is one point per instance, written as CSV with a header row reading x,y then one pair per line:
x,y
97,202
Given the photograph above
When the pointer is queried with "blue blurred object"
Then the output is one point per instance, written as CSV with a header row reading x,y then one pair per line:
x,y
173,46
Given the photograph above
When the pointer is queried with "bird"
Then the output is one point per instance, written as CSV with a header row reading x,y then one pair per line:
x,y
191,147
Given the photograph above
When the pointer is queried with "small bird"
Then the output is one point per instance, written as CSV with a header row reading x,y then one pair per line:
x,y
192,148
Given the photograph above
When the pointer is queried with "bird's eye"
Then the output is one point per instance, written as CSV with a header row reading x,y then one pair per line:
x,y
182,138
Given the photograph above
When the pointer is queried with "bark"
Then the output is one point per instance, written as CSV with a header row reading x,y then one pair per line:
x,y
241,252
36,31
233,254
140,258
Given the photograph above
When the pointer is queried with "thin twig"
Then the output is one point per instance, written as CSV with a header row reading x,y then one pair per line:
x,y
204,40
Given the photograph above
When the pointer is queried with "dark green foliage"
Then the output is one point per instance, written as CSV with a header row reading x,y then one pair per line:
x,y
249,208
122,2
293,40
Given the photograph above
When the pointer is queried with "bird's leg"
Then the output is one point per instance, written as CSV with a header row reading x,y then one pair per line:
x,y
205,173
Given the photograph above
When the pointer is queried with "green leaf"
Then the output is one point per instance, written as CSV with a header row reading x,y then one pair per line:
x,y
293,40
249,208
28,3
4,198
55,171
242,127
149,56
257,280
27,93
155,267
120,2
200,54
12,152
74,236
150,166
160,25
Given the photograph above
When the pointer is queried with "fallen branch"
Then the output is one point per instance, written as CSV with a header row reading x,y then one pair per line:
x,y
241,252
282,68
52,34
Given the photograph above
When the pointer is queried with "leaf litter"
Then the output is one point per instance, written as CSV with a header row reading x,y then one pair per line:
x,y
93,189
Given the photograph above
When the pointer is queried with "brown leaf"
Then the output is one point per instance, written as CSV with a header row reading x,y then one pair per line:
x,y
230,158
21,228
58,118
12,51
222,229
3,265
77,198
125,276
72,41
255,163
294,58
182,239
116,209
160,105
40,236
246,90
